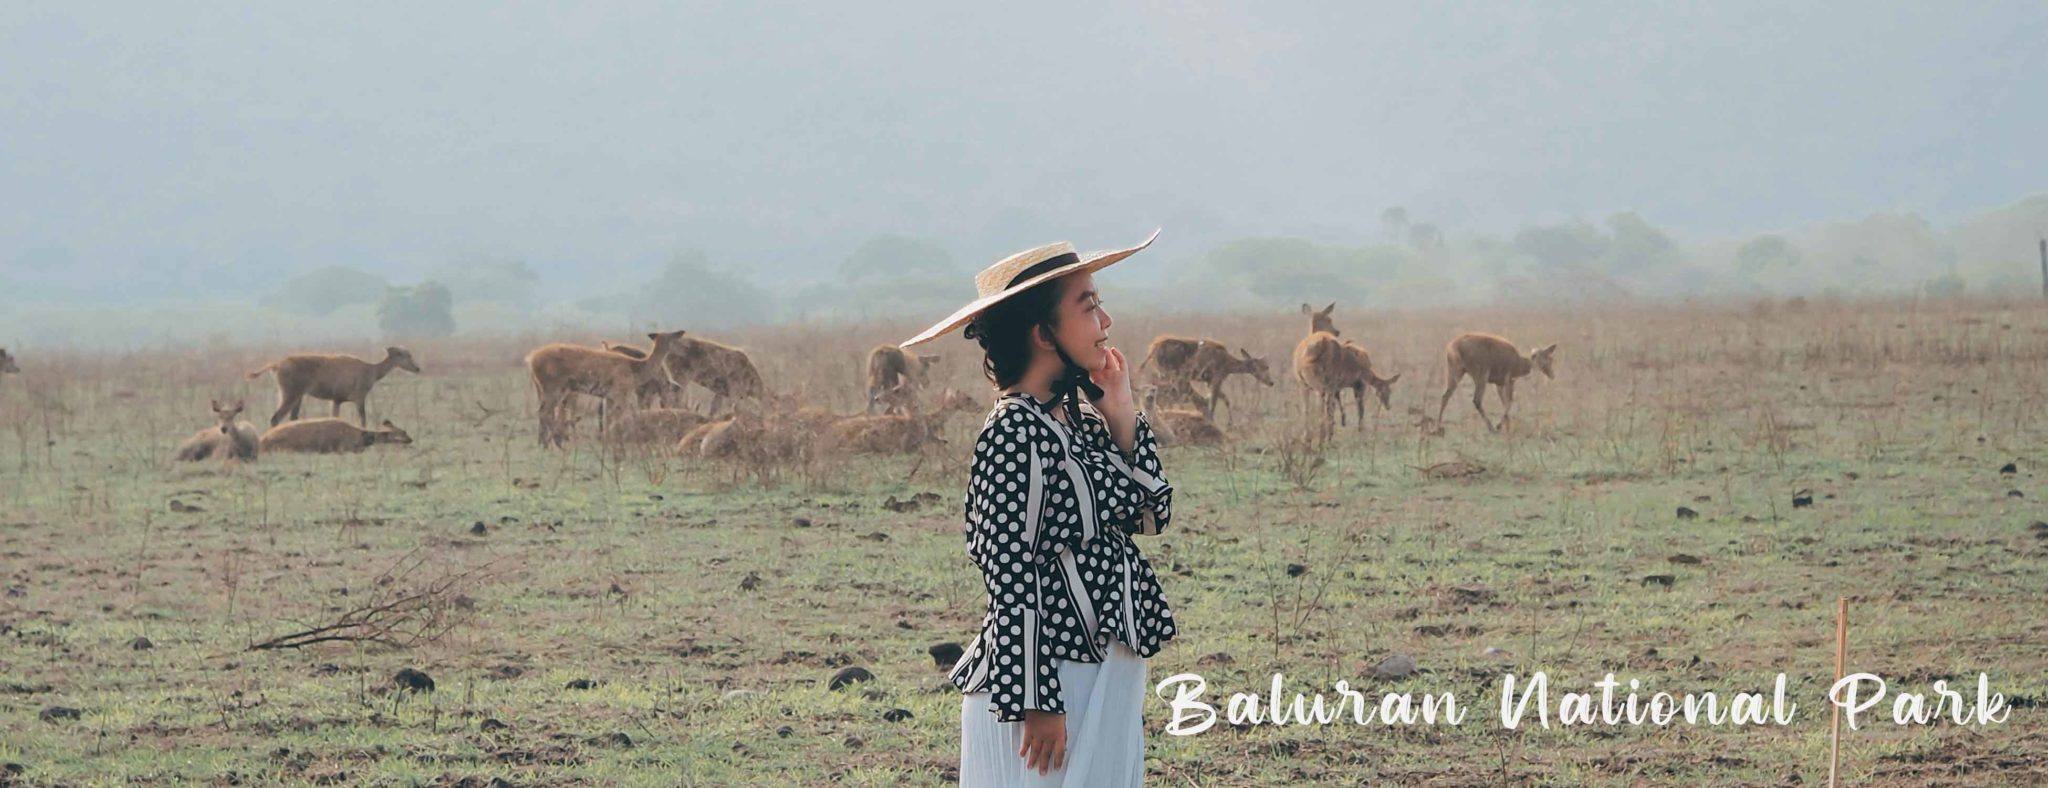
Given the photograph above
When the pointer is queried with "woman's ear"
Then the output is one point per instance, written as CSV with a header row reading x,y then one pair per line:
x,y
1041,336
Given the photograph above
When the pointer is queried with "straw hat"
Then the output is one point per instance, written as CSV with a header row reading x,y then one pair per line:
x,y
1020,272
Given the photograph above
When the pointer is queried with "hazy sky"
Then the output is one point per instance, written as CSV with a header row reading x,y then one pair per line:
x,y
149,147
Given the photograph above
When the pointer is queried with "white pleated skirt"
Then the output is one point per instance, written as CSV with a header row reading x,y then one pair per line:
x,y
1105,730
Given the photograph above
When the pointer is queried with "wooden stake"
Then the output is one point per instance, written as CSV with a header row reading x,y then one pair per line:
x,y
1841,660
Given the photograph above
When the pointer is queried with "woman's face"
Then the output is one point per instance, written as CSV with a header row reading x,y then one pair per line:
x,y
1083,325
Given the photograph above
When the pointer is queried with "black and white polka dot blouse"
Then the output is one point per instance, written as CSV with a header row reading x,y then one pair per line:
x,y
1050,515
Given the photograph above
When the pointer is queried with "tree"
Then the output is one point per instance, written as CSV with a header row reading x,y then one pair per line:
x,y
1637,246
424,311
323,290
1767,252
1563,245
502,280
1395,221
1425,238
691,292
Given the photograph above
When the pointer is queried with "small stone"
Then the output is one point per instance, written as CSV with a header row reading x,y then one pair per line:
x,y
479,529
2015,494
141,644
750,582
1682,558
801,522
1398,666
896,715
1659,580
493,725
784,732
1802,499
58,714
945,655
581,684
2009,469
1296,570
850,675
1687,513
613,739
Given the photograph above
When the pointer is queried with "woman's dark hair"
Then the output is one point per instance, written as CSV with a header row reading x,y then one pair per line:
x,y
1004,332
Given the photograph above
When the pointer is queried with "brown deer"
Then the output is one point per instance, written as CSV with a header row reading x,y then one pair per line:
x,y
1490,359
1319,320
328,436
894,376
559,370
332,377
725,370
1213,363
229,440
1172,353
1327,366
1180,426
895,434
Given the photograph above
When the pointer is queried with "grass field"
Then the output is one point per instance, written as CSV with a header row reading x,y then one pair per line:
x,y
645,619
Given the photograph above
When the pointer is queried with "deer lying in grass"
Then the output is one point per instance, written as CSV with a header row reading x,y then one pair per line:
x,y
328,436
559,370
332,377
653,425
905,433
894,377
725,370
1489,359
1180,426
1327,366
229,440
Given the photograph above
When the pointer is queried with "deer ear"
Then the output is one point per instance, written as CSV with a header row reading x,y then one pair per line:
x,y
1392,380
1306,309
214,403
388,424
653,337
1331,308
1547,350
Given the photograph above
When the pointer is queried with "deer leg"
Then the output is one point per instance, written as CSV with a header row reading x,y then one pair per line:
x,y
1456,374
1507,401
1479,402
1358,397
284,408
363,412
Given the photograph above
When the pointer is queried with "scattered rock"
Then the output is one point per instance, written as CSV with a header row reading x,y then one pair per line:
x,y
59,714
1398,666
1682,558
901,506
1802,499
613,739
2040,529
1660,580
479,529
849,675
1702,499
1296,570
877,536
2014,494
181,506
945,655
2009,469
896,715
408,678
654,497
141,644
505,672
1472,594
801,522
750,582
493,725
784,732
1687,513
853,743
582,684
616,590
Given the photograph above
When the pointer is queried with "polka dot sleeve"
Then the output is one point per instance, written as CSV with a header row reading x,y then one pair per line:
x,y
1130,492
1004,500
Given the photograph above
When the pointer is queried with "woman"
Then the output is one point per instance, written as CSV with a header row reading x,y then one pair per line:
x,y
1055,682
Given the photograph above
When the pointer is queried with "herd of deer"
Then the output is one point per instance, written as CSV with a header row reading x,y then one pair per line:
x,y
639,395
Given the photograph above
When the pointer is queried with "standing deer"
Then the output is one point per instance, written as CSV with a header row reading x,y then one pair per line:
x,y
560,369
332,377
1213,364
894,376
1489,359
1328,366
724,370
1319,320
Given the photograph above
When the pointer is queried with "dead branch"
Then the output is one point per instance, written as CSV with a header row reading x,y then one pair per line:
x,y
399,614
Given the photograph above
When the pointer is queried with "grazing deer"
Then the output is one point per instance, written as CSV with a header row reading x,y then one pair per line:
x,y
1213,364
229,440
1327,366
328,436
1489,359
560,369
894,376
332,377
1180,426
725,370
1172,353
